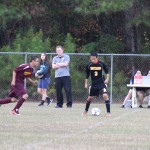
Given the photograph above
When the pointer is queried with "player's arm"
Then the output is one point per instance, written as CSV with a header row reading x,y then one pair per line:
x,y
86,83
107,79
15,71
87,76
34,82
13,82
106,72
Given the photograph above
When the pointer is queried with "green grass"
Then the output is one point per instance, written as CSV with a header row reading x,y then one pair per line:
x,y
48,128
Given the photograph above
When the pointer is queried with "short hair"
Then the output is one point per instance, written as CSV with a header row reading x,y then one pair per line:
x,y
33,58
93,54
59,46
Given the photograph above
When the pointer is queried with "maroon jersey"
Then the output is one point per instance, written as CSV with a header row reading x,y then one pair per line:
x,y
22,72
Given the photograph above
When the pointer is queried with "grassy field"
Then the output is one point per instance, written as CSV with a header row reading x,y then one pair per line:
x,y
48,128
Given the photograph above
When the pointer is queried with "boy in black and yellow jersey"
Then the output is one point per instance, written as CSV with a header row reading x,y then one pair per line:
x,y
95,69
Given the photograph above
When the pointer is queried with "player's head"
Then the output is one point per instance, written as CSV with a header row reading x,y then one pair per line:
x,y
34,61
59,50
94,57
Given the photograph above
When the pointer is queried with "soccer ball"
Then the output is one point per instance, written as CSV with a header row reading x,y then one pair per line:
x,y
96,111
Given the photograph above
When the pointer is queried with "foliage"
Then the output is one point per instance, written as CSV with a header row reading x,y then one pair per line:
x,y
69,44
8,14
29,42
100,6
106,44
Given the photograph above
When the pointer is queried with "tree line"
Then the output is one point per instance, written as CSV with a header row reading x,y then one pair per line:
x,y
105,26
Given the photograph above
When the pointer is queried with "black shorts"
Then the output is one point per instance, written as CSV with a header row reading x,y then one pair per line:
x,y
98,90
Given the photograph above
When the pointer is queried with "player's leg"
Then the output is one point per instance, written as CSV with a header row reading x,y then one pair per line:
x,y
15,110
92,92
107,101
8,100
88,102
12,97
129,95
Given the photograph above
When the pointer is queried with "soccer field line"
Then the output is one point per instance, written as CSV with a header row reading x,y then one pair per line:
x,y
108,120
87,130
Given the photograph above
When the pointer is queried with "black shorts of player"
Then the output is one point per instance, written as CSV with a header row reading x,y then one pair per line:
x,y
98,90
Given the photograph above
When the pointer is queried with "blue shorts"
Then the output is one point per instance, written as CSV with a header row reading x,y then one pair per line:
x,y
44,83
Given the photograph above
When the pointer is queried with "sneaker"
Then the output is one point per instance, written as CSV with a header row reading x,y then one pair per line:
x,y
122,106
140,106
49,101
58,106
42,103
14,112
84,113
148,107
108,115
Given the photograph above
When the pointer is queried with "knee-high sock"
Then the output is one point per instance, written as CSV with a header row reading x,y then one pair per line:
x,y
19,103
87,105
5,101
107,102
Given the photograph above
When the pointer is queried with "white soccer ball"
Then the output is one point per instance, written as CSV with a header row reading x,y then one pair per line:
x,y
96,111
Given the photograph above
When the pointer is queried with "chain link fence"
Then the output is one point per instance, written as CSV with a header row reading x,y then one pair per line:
x,y
121,68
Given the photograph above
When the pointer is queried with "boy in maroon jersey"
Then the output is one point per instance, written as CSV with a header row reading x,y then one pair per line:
x,y
17,84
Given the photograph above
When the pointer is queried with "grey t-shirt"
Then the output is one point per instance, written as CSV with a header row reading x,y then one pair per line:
x,y
62,71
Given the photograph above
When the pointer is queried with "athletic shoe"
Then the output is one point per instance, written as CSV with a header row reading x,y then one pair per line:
x,y
148,107
58,106
84,113
108,115
49,101
14,112
140,106
42,103
122,106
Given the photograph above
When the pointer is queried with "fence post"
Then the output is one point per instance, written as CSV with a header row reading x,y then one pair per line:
x,y
111,78
25,61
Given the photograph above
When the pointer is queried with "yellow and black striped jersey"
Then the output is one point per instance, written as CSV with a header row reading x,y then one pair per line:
x,y
96,72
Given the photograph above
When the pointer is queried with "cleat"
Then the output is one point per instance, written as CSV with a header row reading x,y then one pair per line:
x,y
84,113
122,106
42,103
49,101
140,106
14,112
108,115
